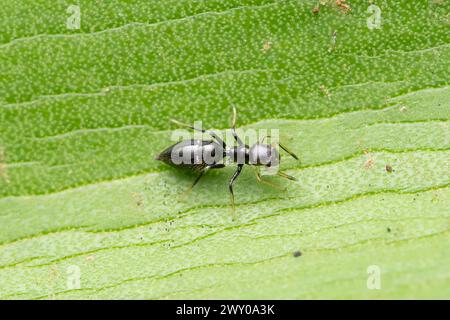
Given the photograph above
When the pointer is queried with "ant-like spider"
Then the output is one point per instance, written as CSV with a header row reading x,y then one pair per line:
x,y
203,155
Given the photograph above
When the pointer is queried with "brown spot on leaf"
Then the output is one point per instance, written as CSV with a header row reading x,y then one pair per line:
x,y
369,164
370,161
266,46
138,199
343,6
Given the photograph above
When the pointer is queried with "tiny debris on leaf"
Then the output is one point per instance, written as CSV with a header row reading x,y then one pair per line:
x,y
139,201
266,46
345,8
297,254
369,164
325,91
333,42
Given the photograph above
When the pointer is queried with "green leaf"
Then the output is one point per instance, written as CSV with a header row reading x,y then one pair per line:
x,y
84,112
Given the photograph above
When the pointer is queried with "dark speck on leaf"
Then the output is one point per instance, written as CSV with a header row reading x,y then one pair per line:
x,y
388,229
389,168
297,254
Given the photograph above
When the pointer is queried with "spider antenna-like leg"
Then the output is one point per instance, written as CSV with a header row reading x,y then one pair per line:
x,y
210,132
288,151
285,175
233,128
282,146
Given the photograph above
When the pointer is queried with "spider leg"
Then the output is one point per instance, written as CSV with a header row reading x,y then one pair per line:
x,y
230,187
233,128
260,179
210,132
188,191
282,146
286,176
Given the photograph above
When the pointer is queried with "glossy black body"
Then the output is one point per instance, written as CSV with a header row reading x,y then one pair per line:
x,y
193,155
196,155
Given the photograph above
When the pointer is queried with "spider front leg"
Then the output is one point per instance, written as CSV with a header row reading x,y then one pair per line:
x,y
233,128
293,155
210,132
286,176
